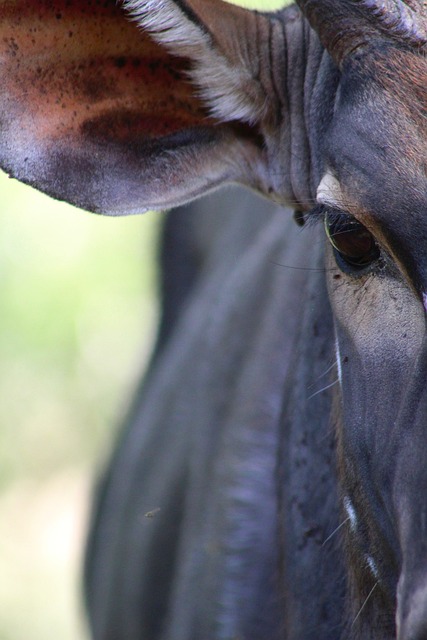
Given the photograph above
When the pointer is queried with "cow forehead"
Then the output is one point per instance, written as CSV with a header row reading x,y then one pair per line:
x,y
381,108
379,156
381,115
377,149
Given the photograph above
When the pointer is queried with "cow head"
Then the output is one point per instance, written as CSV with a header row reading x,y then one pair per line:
x,y
153,102
373,197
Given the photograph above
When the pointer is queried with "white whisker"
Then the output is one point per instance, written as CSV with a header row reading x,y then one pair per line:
x,y
328,386
364,604
335,531
325,372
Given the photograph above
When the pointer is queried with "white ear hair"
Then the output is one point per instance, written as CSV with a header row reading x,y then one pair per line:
x,y
229,90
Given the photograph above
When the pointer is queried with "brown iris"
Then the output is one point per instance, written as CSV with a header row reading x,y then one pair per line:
x,y
353,243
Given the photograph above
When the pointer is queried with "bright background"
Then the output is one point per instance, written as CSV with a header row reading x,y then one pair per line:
x,y
77,318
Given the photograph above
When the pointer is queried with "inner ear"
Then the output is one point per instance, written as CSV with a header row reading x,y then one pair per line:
x,y
85,68
85,94
118,117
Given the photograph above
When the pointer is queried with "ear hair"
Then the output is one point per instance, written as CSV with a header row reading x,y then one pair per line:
x,y
228,89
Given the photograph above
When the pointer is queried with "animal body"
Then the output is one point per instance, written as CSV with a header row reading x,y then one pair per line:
x,y
271,479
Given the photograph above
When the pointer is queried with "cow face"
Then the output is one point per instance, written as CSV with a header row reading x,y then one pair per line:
x,y
373,199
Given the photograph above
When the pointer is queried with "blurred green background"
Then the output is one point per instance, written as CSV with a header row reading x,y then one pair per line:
x,y
77,319
77,316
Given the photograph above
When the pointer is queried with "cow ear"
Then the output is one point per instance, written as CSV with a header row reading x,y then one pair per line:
x,y
118,109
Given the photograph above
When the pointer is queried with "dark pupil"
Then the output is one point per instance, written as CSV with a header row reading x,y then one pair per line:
x,y
355,244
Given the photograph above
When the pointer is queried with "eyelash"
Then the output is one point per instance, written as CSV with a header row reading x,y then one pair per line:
x,y
317,215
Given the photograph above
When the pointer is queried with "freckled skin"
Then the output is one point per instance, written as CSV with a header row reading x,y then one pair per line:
x,y
89,93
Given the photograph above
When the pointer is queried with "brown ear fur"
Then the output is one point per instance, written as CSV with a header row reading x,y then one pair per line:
x,y
92,110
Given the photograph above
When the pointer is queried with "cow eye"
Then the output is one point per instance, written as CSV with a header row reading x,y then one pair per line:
x,y
354,245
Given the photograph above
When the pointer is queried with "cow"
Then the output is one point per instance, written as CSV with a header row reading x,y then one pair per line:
x,y
270,481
